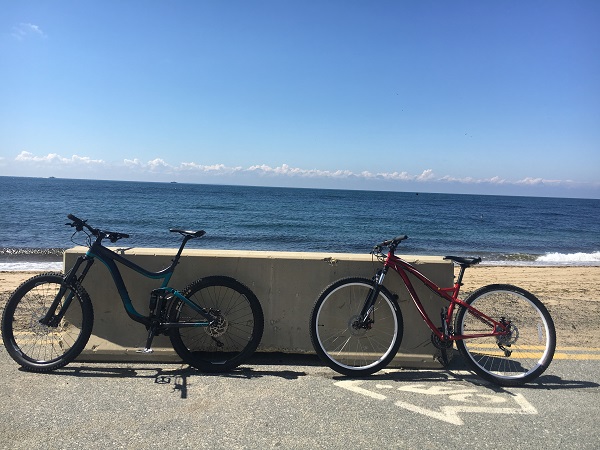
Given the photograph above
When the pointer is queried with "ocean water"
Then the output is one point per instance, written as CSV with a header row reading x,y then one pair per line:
x,y
501,229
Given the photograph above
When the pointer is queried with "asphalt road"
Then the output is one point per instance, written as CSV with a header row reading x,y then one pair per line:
x,y
287,401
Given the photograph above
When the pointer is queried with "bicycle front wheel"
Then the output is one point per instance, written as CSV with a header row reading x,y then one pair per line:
x,y
38,347
340,343
518,357
231,339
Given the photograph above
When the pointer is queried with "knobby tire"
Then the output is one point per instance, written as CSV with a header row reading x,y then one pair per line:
x,y
232,339
41,348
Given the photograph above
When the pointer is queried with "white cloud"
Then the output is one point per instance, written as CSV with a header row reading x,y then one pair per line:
x,y
215,169
540,181
24,30
497,180
530,181
133,163
193,171
427,175
158,164
286,170
56,159
470,180
394,176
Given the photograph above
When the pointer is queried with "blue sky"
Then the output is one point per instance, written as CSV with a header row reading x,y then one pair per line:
x,y
492,97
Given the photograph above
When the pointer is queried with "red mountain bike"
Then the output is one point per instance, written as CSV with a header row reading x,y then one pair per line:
x,y
504,332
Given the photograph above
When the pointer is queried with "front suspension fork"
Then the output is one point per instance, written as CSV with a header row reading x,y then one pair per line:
x,y
364,320
52,318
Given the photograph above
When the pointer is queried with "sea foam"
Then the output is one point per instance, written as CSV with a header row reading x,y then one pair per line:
x,y
570,258
31,266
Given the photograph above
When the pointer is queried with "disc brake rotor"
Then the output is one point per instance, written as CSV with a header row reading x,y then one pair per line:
x,y
218,327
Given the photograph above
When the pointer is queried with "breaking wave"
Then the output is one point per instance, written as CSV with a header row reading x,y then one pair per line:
x,y
579,259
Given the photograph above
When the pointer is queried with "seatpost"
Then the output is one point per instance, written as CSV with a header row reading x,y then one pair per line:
x,y
178,255
463,267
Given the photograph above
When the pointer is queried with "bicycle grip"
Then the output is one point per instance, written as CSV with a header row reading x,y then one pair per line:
x,y
77,223
74,220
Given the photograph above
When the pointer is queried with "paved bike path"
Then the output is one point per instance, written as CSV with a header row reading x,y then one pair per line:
x,y
289,401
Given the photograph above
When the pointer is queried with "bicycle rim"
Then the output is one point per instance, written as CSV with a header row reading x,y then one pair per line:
x,y
337,340
233,337
39,347
520,356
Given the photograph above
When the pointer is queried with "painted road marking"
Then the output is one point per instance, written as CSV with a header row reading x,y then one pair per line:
x,y
435,390
577,353
455,400
352,385
577,356
567,353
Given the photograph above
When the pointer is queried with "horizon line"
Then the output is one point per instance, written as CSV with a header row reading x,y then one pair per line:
x,y
267,186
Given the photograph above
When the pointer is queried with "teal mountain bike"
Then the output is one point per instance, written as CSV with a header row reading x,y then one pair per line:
x,y
214,324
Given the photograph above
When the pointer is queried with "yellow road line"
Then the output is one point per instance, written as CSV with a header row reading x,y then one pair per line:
x,y
565,353
578,349
577,356
481,345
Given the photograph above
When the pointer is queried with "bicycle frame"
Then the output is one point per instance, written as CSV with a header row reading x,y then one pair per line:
x,y
109,258
450,294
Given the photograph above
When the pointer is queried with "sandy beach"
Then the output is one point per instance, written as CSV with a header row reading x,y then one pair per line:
x,y
572,295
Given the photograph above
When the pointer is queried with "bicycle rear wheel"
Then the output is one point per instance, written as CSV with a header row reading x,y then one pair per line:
x,y
339,343
38,347
520,356
231,339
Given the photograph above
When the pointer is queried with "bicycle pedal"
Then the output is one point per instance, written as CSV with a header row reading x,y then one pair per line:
x,y
145,351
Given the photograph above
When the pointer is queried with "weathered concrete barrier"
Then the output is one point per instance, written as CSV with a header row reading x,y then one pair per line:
x,y
286,283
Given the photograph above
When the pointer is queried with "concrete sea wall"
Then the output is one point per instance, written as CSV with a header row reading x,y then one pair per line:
x,y
286,284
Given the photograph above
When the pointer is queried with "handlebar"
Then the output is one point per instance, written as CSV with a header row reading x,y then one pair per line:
x,y
80,224
391,243
113,236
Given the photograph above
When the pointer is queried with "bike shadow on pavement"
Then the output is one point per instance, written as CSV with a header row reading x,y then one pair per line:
x,y
458,371
138,370
256,367
178,376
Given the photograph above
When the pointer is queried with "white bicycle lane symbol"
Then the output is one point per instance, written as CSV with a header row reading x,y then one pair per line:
x,y
444,402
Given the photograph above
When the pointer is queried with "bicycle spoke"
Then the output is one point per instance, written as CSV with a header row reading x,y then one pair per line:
x,y
346,346
520,355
